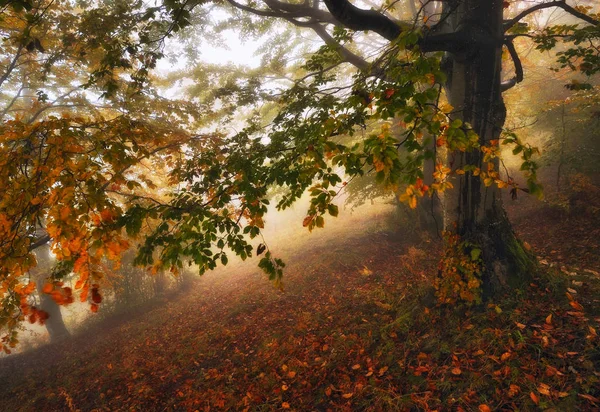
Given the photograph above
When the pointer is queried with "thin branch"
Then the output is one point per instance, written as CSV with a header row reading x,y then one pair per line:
x,y
558,3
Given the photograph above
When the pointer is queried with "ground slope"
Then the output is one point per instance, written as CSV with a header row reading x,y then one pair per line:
x,y
352,330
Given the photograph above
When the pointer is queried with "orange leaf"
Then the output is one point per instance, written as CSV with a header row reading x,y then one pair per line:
x,y
291,374
549,319
544,389
456,371
48,287
347,395
534,398
285,405
576,305
484,408
355,367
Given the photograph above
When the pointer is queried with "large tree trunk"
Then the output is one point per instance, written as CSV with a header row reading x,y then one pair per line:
x,y
55,323
471,209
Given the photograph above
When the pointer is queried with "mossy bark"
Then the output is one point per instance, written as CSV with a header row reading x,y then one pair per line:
x,y
472,209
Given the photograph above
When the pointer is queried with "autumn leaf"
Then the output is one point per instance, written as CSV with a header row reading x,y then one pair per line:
x,y
534,398
484,408
576,305
347,395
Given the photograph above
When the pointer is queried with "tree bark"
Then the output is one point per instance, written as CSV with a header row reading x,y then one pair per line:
x,y
55,324
471,209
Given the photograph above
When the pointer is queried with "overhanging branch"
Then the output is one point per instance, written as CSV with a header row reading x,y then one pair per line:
x,y
363,20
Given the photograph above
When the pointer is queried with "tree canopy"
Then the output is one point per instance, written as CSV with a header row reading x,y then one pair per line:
x,y
87,133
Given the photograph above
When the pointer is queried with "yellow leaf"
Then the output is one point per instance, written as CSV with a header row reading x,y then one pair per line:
x,y
413,202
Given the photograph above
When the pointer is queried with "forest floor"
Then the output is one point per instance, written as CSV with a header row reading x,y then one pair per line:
x,y
349,331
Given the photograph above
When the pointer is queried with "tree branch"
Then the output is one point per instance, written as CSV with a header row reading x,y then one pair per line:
x,y
518,67
346,54
363,20
557,3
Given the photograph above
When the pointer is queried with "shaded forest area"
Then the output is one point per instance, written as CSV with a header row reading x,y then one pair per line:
x,y
326,205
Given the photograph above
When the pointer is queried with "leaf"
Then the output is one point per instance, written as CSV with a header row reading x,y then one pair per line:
x,y
307,220
383,370
590,398
576,305
347,395
549,319
285,405
456,371
355,367
534,398
544,389
260,249
484,408
475,253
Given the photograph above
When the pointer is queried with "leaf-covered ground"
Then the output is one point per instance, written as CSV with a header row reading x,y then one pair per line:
x,y
350,331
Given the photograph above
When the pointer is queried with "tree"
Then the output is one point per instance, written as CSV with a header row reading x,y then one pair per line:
x,y
434,89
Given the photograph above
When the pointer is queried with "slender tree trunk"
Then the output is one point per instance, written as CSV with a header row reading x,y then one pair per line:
x,y
471,209
55,323
430,208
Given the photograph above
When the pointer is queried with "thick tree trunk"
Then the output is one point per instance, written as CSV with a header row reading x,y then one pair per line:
x,y
55,323
471,209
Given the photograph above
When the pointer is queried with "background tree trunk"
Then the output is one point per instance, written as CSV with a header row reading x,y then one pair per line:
x,y
55,323
471,209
